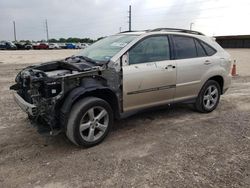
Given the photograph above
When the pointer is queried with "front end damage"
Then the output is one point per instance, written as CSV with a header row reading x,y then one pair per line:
x,y
40,90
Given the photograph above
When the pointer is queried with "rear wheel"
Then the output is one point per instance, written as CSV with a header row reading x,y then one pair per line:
x,y
89,122
208,97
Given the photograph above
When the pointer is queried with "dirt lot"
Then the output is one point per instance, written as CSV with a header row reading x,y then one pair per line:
x,y
171,147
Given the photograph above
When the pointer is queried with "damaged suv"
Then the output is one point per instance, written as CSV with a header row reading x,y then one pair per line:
x,y
119,75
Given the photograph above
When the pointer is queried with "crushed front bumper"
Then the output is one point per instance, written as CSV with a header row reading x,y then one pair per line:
x,y
30,109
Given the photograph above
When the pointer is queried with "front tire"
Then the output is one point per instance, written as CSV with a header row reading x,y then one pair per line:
x,y
209,97
89,122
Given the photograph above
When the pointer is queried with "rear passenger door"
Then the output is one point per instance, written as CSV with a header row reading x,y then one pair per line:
x,y
192,61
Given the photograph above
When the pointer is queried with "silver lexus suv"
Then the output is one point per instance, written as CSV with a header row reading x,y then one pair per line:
x,y
120,75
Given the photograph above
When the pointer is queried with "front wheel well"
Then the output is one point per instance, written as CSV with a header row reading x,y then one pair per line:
x,y
219,80
106,95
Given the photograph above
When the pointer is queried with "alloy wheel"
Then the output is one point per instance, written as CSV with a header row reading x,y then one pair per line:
x,y
94,123
211,96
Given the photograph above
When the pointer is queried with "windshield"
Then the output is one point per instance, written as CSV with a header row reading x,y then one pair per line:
x,y
105,49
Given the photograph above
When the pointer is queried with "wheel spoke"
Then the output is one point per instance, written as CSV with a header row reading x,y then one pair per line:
x,y
206,97
91,136
101,127
214,92
91,114
213,100
101,115
207,103
209,90
84,126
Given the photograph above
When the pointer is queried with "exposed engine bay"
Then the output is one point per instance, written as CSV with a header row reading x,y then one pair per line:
x,y
45,86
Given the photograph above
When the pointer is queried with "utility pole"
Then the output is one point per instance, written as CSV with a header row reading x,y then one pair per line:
x,y
14,24
120,29
47,30
129,17
191,25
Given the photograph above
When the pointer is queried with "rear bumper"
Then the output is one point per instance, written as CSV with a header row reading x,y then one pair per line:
x,y
30,109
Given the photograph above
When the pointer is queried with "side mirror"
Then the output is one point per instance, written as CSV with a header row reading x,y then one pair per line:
x,y
125,59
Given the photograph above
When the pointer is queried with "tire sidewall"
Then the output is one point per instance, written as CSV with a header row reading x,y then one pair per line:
x,y
76,124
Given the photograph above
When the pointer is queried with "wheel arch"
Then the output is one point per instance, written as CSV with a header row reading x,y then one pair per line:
x,y
79,93
220,80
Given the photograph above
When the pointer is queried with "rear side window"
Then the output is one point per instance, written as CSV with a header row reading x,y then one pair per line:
x,y
200,50
151,49
184,47
209,50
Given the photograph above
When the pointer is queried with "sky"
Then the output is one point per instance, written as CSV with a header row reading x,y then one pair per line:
x,y
97,18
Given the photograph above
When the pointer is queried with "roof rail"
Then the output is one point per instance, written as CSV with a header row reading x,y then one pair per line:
x,y
177,30
126,31
134,31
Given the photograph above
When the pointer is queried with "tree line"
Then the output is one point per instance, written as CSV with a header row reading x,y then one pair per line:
x,y
66,40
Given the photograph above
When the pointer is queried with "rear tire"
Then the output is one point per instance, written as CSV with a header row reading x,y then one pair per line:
x,y
89,122
208,97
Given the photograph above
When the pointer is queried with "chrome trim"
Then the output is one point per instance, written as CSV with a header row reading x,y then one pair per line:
x,y
188,83
151,89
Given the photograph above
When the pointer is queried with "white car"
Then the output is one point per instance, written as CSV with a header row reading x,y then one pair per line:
x,y
81,45
53,46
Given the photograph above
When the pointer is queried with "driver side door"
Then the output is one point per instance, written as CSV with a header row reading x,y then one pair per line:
x,y
150,77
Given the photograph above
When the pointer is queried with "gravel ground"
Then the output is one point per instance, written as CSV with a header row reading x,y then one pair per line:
x,y
169,147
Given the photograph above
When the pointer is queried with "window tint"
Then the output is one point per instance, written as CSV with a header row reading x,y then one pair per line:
x,y
149,50
184,47
209,50
200,50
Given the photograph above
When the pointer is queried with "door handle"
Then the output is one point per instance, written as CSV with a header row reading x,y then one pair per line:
x,y
170,66
207,62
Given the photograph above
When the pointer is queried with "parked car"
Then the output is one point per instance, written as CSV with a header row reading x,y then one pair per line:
x,y
70,46
119,76
23,46
6,45
81,45
28,46
62,45
40,46
53,46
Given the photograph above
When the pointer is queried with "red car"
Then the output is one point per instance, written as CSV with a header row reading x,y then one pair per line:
x,y
41,46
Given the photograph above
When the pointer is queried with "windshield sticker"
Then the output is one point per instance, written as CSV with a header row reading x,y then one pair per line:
x,y
107,57
119,44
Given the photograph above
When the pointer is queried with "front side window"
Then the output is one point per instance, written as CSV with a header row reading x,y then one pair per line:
x,y
184,47
151,49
